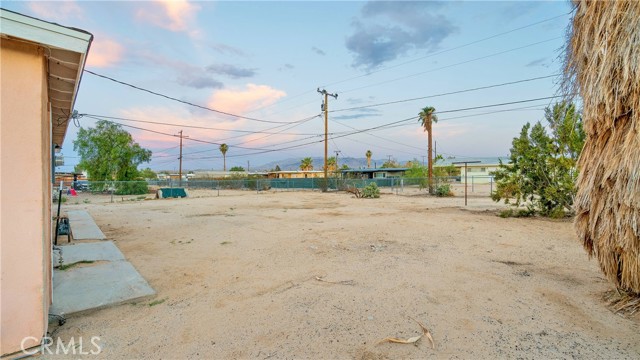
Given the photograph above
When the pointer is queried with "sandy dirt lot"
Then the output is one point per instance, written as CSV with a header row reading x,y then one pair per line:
x,y
236,277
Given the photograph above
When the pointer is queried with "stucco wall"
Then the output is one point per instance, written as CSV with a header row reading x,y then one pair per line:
x,y
477,175
24,189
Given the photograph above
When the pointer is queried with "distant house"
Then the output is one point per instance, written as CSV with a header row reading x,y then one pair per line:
x,y
295,174
41,65
478,173
381,173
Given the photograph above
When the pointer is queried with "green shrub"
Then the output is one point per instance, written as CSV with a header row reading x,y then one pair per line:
x,y
516,213
131,188
444,190
371,191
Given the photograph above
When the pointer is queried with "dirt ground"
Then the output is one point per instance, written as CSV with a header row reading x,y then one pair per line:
x,y
237,277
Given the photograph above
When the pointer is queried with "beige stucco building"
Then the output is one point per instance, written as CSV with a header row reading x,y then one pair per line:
x,y
41,65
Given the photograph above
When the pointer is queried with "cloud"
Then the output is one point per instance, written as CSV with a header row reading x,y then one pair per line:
x,y
241,101
231,71
173,15
358,114
407,26
514,10
536,62
318,51
104,52
186,74
197,80
56,10
228,49
286,67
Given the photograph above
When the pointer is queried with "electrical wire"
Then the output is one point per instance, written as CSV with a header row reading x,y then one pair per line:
x,y
183,101
446,93
200,127
414,60
451,65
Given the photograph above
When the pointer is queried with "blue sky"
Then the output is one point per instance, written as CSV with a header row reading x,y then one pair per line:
x,y
264,60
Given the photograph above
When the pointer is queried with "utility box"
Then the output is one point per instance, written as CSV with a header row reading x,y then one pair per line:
x,y
164,193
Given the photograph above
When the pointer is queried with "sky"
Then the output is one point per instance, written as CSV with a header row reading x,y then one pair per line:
x,y
263,62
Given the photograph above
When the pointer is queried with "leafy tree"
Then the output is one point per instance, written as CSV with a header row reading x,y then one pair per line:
x,y
390,164
237,168
223,149
368,154
147,174
542,169
277,168
421,173
344,167
108,152
306,164
427,118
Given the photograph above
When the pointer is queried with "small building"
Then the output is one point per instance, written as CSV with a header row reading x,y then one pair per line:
x,y
477,172
295,174
41,65
382,173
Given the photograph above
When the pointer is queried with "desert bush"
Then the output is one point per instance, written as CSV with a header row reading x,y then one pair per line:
x,y
131,188
444,190
371,191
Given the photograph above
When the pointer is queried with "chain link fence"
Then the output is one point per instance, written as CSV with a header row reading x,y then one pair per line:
x,y
137,190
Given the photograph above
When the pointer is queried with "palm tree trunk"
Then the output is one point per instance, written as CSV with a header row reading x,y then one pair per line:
x,y
224,157
607,202
430,157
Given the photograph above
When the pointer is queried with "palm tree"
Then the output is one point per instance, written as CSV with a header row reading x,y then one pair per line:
x,y
223,149
368,155
606,218
331,164
427,118
306,164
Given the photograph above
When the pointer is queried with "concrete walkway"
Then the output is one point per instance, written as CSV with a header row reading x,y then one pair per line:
x,y
97,251
109,280
83,227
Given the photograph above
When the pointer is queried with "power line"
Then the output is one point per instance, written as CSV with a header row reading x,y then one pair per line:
x,y
183,101
401,122
447,93
452,65
417,59
200,127
258,151
450,49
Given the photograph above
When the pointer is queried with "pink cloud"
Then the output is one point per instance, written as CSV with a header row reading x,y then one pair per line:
x,y
173,15
56,10
240,101
104,52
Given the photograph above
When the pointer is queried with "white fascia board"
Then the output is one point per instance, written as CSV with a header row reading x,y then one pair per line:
x,y
42,32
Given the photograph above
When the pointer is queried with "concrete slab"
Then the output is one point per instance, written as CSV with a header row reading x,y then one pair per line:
x,y
95,251
83,227
93,287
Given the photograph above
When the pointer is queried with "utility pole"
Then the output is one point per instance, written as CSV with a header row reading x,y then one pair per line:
x,y
247,166
465,176
180,172
435,147
423,160
325,108
337,168
180,158
389,162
